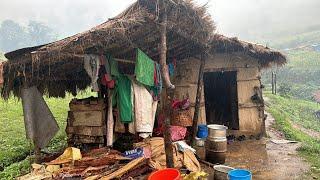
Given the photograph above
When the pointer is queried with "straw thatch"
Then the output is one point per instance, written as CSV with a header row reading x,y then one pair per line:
x,y
57,67
265,55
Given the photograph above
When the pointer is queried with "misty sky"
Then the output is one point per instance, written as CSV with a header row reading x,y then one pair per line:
x,y
243,18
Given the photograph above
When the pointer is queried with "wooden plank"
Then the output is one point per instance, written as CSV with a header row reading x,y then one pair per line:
x,y
250,105
74,138
87,107
88,118
197,100
88,131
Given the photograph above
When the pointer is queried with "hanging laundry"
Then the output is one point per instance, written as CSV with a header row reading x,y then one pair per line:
x,y
92,65
105,62
144,69
158,84
145,110
119,126
124,100
110,121
171,69
113,66
108,81
39,122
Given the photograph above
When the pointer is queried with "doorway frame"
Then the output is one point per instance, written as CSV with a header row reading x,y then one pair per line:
x,y
235,106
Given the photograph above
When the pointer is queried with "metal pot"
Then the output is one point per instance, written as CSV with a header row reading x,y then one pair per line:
x,y
217,144
221,172
217,131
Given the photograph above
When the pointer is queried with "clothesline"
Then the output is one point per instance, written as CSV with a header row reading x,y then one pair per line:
x,y
82,56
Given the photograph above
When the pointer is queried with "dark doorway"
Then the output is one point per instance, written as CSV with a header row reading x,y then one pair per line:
x,y
221,98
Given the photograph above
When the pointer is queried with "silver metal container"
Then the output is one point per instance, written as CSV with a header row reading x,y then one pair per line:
x,y
221,172
217,131
200,142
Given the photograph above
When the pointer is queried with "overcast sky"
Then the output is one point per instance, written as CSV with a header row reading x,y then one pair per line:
x,y
242,18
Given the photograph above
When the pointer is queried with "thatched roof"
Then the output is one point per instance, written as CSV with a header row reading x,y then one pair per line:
x,y
57,67
263,54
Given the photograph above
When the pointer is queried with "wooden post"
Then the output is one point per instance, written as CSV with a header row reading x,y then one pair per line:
x,y
275,83
166,79
198,99
272,82
37,154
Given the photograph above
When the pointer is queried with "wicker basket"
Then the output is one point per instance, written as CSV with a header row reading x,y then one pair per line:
x,y
181,118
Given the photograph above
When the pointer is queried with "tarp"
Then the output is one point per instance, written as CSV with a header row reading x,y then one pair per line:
x,y
39,122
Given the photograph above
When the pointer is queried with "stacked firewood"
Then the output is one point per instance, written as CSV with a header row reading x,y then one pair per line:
x,y
86,122
102,163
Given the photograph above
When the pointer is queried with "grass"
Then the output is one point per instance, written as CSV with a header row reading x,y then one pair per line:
x,y
15,149
301,74
284,117
299,111
291,41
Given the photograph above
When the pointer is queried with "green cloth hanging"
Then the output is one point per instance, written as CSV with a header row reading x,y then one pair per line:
x,y
124,98
144,69
113,66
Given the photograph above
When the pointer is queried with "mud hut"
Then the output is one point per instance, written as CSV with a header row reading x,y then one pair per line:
x,y
231,91
220,75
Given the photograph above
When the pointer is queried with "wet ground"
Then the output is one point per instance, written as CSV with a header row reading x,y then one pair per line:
x,y
265,159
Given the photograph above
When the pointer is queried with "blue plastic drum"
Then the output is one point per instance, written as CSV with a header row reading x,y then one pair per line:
x,y
239,174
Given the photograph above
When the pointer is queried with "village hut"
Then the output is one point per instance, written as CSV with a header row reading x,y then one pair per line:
x,y
57,68
231,90
220,75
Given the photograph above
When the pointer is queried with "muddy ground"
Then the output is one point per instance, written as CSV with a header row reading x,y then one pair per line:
x,y
265,159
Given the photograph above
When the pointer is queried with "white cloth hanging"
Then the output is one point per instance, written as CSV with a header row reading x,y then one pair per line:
x,y
144,110
91,65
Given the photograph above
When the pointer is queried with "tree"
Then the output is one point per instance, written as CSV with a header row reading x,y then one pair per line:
x,y
12,36
284,89
40,33
316,96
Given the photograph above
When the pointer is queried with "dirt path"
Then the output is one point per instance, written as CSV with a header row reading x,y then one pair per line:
x,y
268,160
309,132
284,157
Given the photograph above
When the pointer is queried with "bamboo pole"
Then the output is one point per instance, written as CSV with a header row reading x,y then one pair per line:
x,y
198,97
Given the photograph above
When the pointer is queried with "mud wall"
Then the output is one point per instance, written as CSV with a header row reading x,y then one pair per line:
x,y
248,77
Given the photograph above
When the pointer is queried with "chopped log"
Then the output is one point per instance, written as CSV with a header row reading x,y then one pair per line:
x,y
124,169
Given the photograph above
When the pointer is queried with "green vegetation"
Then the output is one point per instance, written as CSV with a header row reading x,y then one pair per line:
x,y
300,112
15,149
300,77
300,39
14,146
14,35
287,111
